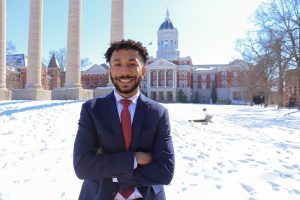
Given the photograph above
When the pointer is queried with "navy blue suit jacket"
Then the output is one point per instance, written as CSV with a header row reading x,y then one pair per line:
x,y
99,126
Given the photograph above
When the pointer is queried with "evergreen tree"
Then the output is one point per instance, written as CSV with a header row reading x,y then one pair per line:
x,y
181,97
214,94
195,98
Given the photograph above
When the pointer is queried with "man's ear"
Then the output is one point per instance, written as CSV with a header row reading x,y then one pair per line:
x,y
109,68
144,70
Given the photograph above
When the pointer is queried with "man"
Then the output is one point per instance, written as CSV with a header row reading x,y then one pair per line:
x,y
123,148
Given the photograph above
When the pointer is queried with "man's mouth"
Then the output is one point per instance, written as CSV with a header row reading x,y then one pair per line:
x,y
125,79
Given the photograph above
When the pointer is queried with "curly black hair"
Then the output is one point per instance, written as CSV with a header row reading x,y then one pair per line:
x,y
127,44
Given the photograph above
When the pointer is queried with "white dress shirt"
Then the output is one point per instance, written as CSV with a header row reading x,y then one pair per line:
x,y
136,194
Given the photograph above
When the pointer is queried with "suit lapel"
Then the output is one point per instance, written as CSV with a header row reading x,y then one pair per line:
x,y
114,120
139,116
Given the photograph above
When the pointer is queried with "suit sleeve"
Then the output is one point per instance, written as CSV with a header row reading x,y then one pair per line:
x,y
87,164
161,170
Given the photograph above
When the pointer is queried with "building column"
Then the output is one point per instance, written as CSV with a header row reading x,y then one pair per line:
x,y
174,85
73,89
73,79
4,93
34,70
34,89
148,74
165,78
116,34
157,78
174,79
117,20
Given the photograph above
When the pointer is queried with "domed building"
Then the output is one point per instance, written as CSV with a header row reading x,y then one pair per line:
x,y
171,78
167,40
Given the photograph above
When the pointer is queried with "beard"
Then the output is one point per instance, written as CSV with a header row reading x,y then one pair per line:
x,y
127,90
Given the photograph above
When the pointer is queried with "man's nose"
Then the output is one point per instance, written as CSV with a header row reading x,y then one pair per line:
x,y
124,69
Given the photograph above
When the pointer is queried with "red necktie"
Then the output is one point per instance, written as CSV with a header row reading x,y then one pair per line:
x,y
126,129
126,122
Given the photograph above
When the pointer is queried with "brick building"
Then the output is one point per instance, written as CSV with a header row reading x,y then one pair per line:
x,y
170,76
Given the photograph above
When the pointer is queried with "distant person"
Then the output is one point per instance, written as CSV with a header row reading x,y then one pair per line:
x,y
207,118
123,148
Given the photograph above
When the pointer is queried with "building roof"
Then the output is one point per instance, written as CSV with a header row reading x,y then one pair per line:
x,y
95,69
167,24
162,63
53,62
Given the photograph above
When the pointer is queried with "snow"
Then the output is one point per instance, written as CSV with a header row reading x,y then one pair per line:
x,y
246,153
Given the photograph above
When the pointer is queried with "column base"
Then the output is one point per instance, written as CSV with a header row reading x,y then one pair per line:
x,y
102,91
72,94
5,94
31,94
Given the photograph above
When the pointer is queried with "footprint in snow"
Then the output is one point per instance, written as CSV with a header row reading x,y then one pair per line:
x,y
275,186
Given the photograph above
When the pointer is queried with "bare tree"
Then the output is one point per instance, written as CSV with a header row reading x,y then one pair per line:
x,y
284,15
85,63
61,56
10,48
255,51
275,45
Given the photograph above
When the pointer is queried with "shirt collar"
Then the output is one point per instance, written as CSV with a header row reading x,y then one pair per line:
x,y
134,98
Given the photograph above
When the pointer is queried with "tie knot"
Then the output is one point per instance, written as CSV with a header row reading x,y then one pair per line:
x,y
125,102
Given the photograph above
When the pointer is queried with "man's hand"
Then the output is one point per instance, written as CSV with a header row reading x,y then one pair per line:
x,y
143,158
99,151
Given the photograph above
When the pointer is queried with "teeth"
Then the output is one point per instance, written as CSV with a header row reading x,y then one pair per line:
x,y
127,80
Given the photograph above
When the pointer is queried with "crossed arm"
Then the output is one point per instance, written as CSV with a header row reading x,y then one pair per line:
x,y
153,168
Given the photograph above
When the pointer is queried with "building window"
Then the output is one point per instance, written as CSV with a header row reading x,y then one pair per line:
x,y
161,74
153,95
162,83
224,84
181,75
212,77
235,74
203,85
185,84
203,77
170,83
224,75
235,83
195,85
195,77
170,74
181,84
184,75
154,75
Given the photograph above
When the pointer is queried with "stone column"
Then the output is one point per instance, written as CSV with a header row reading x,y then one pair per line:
x,y
34,70
73,89
156,78
33,89
73,79
117,20
116,34
4,93
165,78
174,85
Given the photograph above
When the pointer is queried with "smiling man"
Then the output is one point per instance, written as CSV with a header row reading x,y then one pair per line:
x,y
123,147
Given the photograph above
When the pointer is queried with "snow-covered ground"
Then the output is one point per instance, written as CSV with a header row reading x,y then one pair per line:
x,y
246,153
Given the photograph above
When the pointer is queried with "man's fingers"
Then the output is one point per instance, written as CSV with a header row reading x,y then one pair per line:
x,y
143,158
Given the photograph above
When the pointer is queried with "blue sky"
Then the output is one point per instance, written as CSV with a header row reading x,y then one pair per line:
x,y
207,28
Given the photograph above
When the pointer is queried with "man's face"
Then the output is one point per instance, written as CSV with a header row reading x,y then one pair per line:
x,y
126,71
